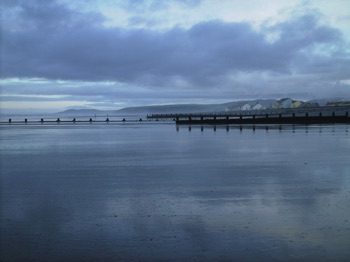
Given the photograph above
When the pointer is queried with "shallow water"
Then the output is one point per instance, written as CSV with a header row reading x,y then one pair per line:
x,y
152,191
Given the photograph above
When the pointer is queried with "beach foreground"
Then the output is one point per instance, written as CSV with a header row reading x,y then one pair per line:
x,y
156,192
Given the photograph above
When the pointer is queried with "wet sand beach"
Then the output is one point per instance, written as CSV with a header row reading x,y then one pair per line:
x,y
154,192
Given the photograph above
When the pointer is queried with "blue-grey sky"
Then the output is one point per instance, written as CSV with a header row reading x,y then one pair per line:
x,y
105,54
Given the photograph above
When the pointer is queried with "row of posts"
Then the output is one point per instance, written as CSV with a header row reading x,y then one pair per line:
x,y
267,116
74,120
177,118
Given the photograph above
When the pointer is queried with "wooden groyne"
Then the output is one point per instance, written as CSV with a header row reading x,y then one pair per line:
x,y
267,119
321,115
65,121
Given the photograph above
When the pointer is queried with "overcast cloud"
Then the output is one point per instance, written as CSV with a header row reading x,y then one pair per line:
x,y
51,48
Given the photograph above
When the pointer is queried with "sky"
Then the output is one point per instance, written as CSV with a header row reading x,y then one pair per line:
x,y
111,54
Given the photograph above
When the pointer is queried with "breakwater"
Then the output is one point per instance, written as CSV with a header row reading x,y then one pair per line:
x,y
66,121
319,115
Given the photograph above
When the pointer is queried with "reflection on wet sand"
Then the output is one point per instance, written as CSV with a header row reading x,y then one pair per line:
x,y
293,128
158,194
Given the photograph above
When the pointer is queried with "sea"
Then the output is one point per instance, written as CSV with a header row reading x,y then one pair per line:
x,y
155,191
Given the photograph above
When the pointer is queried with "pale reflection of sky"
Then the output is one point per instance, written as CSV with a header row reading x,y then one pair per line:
x,y
125,192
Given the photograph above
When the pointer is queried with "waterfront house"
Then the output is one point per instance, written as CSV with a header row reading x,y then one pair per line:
x,y
258,106
283,103
246,107
233,108
296,104
286,103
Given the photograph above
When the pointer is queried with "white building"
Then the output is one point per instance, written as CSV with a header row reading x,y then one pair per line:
x,y
258,106
246,107
283,103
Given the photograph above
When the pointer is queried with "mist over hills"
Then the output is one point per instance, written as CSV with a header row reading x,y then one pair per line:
x,y
188,108
173,108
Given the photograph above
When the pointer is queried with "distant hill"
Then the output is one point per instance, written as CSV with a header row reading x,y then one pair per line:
x,y
190,108
184,108
83,111
176,108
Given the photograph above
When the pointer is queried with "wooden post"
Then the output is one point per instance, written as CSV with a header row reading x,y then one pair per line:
x,y
58,120
42,120
25,120
10,120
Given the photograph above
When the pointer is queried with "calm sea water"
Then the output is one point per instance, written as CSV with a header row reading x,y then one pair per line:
x,y
154,191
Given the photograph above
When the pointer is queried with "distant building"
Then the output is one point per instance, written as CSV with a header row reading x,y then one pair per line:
x,y
258,106
296,104
232,108
286,103
246,107
310,104
342,103
283,103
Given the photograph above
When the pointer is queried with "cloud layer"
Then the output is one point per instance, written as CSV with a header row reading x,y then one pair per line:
x,y
48,40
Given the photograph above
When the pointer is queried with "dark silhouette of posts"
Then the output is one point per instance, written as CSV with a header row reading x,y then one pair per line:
x,y
10,120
